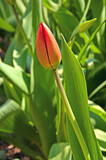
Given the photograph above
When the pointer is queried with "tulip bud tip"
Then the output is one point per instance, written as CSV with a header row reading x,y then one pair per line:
x,y
47,49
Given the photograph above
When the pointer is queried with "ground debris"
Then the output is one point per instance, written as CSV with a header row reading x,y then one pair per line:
x,y
10,152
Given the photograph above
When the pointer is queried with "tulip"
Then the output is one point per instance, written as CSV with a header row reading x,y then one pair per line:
x,y
47,49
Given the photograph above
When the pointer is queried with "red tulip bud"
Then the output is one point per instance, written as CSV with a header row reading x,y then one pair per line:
x,y
47,49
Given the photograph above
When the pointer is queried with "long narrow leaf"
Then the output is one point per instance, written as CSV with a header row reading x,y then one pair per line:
x,y
97,110
77,95
42,90
5,26
18,78
103,84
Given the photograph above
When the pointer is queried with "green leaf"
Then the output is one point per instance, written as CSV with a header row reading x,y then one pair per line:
x,y
12,92
60,151
20,6
86,25
9,53
77,95
60,119
27,20
93,47
52,5
42,100
10,2
20,52
13,120
17,128
89,41
18,78
66,21
97,110
6,10
97,121
80,6
36,19
96,11
20,57
82,19
1,81
97,89
99,13
5,26
101,137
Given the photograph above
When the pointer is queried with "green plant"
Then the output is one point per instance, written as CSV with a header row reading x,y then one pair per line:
x,y
34,118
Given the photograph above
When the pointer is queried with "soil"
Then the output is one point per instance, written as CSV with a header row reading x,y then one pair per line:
x,y
9,152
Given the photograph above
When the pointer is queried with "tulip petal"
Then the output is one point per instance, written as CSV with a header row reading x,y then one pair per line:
x,y
41,49
47,48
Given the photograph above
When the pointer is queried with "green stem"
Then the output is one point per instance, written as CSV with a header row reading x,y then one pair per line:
x,y
82,19
71,116
73,36
85,12
22,31
89,41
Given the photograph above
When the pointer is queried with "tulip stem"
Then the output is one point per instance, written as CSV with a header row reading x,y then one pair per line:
x,y
71,116
22,31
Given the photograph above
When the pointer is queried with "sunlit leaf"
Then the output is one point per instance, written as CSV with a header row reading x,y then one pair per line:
x,y
5,26
97,110
60,151
52,5
18,78
101,137
76,91
42,102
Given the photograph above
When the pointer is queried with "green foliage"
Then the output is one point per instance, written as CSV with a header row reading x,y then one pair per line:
x,y
76,89
10,127
86,25
60,151
66,21
4,25
97,110
41,101
8,72
101,136
33,115
89,41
